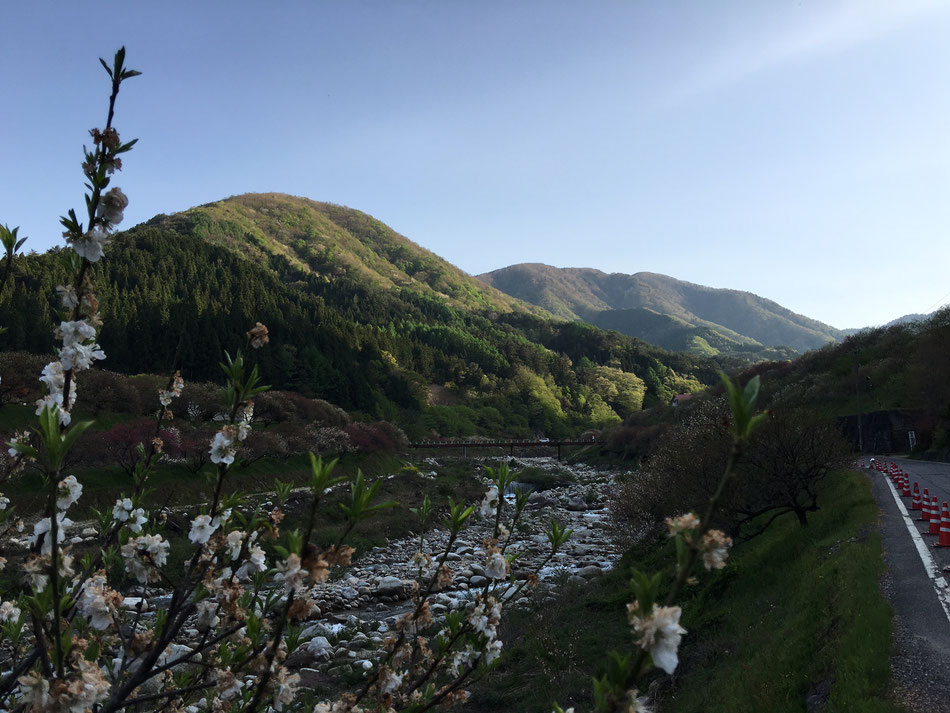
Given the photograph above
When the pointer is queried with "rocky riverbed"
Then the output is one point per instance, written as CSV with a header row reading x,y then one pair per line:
x,y
360,610
356,612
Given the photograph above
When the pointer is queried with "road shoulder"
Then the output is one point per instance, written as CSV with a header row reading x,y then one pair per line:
x,y
920,660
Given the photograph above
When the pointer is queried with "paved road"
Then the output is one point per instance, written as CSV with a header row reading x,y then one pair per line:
x,y
921,659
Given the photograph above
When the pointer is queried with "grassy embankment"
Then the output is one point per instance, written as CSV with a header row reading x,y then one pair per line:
x,y
796,613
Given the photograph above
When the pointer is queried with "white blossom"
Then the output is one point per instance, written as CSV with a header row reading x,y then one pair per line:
x,y
715,549
244,421
285,688
9,612
490,503
122,509
67,294
201,529
659,634
35,572
165,397
43,526
79,357
497,567
77,332
92,244
389,681
111,207
97,601
4,501
256,562
156,547
54,377
207,615
293,574
222,449
493,650
682,523
485,617
137,518
54,403
227,685
69,491
33,693
135,551
235,539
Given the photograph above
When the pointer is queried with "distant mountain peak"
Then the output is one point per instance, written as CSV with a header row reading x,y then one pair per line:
x,y
661,309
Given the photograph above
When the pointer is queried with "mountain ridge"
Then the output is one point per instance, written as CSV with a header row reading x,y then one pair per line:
x,y
597,297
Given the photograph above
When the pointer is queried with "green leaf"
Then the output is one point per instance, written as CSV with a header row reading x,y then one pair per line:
x,y
322,474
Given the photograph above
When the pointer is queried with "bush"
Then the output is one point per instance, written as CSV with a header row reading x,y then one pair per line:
x,y
381,436
782,464
120,444
263,444
111,392
19,384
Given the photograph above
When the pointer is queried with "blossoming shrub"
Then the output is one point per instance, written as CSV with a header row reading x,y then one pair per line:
x,y
283,406
120,445
381,436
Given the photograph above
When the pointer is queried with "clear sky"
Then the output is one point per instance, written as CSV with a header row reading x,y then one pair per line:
x,y
798,150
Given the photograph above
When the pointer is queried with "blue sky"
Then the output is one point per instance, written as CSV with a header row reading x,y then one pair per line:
x,y
798,150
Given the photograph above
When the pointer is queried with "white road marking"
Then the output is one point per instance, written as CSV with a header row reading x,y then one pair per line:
x,y
933,570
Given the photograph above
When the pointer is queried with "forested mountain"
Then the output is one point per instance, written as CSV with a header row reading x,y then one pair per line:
x,y
358,315
894,375
666,311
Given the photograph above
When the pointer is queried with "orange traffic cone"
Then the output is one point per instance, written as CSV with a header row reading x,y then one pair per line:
x,y
915,503
944,540
935,520
905,488
925,507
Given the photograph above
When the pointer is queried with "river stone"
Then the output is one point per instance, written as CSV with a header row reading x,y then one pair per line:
x,y
478,581
349,593
589,572
576,504
390,585
320,647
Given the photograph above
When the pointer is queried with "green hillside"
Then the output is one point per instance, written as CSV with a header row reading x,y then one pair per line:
x,y
894,376
666,311
359,316
332,241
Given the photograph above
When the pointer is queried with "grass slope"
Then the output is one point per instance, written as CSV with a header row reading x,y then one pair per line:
x,y
797,613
